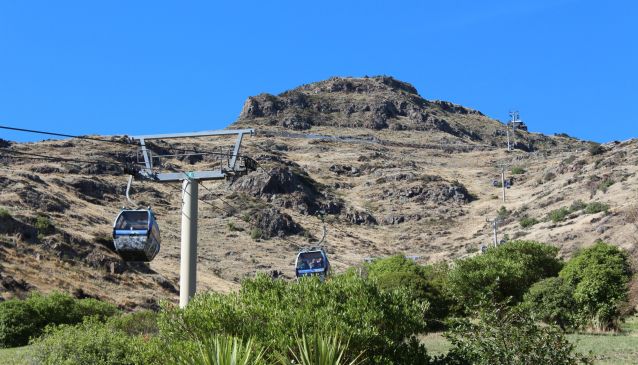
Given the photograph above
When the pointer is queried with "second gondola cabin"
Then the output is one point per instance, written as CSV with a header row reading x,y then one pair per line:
x,y
136,235
312,262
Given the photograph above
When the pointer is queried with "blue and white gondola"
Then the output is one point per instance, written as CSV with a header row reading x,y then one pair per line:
x,y
312,262
136,235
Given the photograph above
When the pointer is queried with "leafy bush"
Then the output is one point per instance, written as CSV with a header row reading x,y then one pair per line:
x,y
504,272
91,342
517,170
256,233
552,301
23,319
596,207
273,312
559,215
4,213
577,205
526,222
509,336
599,275
43,225
549,176
503,213
605,184
424,283
140,323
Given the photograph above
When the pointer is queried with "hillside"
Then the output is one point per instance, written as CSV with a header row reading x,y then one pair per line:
x,y
385,170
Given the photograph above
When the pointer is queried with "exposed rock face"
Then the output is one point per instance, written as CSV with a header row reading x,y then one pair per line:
x,y
285,187
273,223
434,192
380,103
360,218
375,103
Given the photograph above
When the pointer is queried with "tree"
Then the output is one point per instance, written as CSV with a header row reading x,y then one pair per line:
x,y
552,300
503,273
600,275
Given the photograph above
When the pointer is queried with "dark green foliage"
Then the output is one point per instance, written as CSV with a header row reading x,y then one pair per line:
x,y
577,205
256,233
503,213
274,312
504,272
526,222
596,149
423,283
142,322
596,207
43,225
91,342
23,319
559,215
4,213
605,184
599,275
517,170
552,301
507,336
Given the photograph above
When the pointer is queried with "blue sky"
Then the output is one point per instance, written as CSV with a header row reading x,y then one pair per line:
x,y
133,67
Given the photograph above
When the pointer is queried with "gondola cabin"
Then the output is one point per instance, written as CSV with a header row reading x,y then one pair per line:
x,y
136,235
312,262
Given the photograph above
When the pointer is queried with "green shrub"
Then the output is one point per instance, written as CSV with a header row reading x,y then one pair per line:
x,y
503,213
504,272
273,312
18,322
140,323
424,283
600,275
256,233
517,170
577,205
559,215
526,222
605,184
23,319
43,225
596,207
91,342
509,336
233,228
552,301
4,213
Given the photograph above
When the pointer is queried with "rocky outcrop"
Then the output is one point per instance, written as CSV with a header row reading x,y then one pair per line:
x,y
360,217
437,192
273,223
288,187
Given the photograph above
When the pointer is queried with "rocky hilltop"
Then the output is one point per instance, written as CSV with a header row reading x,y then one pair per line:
x,y
382,169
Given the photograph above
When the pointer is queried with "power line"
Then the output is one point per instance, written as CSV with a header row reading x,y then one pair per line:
x,y
63,135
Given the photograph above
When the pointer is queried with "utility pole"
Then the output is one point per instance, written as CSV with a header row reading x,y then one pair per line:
x,y
494,222
188,254
509,146
503,181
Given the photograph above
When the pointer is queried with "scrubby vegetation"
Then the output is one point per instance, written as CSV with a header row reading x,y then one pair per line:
x,y
21,320
517,170
503,273
492,306
527,222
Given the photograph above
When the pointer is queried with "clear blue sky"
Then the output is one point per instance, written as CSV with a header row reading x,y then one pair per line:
x,y
131,67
